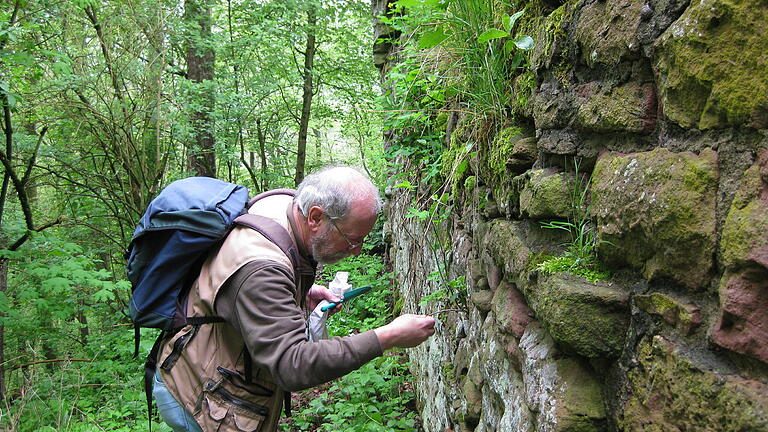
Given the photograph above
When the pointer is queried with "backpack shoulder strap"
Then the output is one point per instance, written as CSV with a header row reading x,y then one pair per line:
x,y
273,232
282,191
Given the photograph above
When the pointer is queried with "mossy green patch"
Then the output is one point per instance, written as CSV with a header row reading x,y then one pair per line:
x,y
523,86
746,223
712,65
698,176
501,149
454,161
667,391
569,264
470,183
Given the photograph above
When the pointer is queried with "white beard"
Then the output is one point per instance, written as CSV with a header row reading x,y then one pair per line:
x,y
321,249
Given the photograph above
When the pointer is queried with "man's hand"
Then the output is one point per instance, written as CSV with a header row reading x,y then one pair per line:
x,y
319,293
406,331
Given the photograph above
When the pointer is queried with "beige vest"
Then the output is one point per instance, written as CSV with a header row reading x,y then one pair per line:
x,y
207,378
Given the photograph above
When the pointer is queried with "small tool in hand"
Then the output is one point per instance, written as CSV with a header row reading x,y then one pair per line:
x,y
349,295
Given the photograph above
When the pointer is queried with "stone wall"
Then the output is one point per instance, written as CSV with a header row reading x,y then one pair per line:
x,y
665,102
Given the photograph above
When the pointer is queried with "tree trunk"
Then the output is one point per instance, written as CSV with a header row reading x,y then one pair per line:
x,y
309,58
82,319
201,157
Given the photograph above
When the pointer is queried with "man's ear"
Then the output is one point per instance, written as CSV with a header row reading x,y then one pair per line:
x,y
315,217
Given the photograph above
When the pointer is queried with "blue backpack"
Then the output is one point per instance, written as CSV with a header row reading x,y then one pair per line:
x,y
187,220
180,226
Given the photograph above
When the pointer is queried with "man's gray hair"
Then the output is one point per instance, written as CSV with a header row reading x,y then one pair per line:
x,y
334,189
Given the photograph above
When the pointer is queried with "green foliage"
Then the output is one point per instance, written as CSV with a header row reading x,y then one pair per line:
x,y
373,398
118,111
453,293
571,263
463,47
370,310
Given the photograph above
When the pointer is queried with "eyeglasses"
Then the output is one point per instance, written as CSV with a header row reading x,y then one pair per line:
x,y
352,245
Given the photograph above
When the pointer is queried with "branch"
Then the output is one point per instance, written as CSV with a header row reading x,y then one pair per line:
x,y
25,237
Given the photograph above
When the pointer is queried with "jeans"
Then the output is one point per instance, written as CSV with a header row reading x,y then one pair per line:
x,y
170,410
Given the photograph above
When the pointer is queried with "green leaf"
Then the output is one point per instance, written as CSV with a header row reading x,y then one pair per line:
x,y
509,21
524,42
491,34
409,4
56,284
406,184
432,39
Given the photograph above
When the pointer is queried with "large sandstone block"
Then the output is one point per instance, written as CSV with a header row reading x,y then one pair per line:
x,y
585,318
712,65
608,31
668,391
743,322
627,108
655,211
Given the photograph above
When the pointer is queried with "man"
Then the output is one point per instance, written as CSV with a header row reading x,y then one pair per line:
x,y
233,376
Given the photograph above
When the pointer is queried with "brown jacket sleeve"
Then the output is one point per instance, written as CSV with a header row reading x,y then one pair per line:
x,y
259,301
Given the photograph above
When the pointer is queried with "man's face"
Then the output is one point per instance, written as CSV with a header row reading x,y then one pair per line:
x,y
340,238
326,249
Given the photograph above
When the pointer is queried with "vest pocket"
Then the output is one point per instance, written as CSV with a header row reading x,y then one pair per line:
x,y
222,411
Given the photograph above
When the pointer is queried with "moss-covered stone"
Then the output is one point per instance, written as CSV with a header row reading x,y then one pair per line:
x,y
668,392
628,108
588,319
547,193
580,405
712,65
502,149
747,222
607,31
512,245
684,316
655,211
